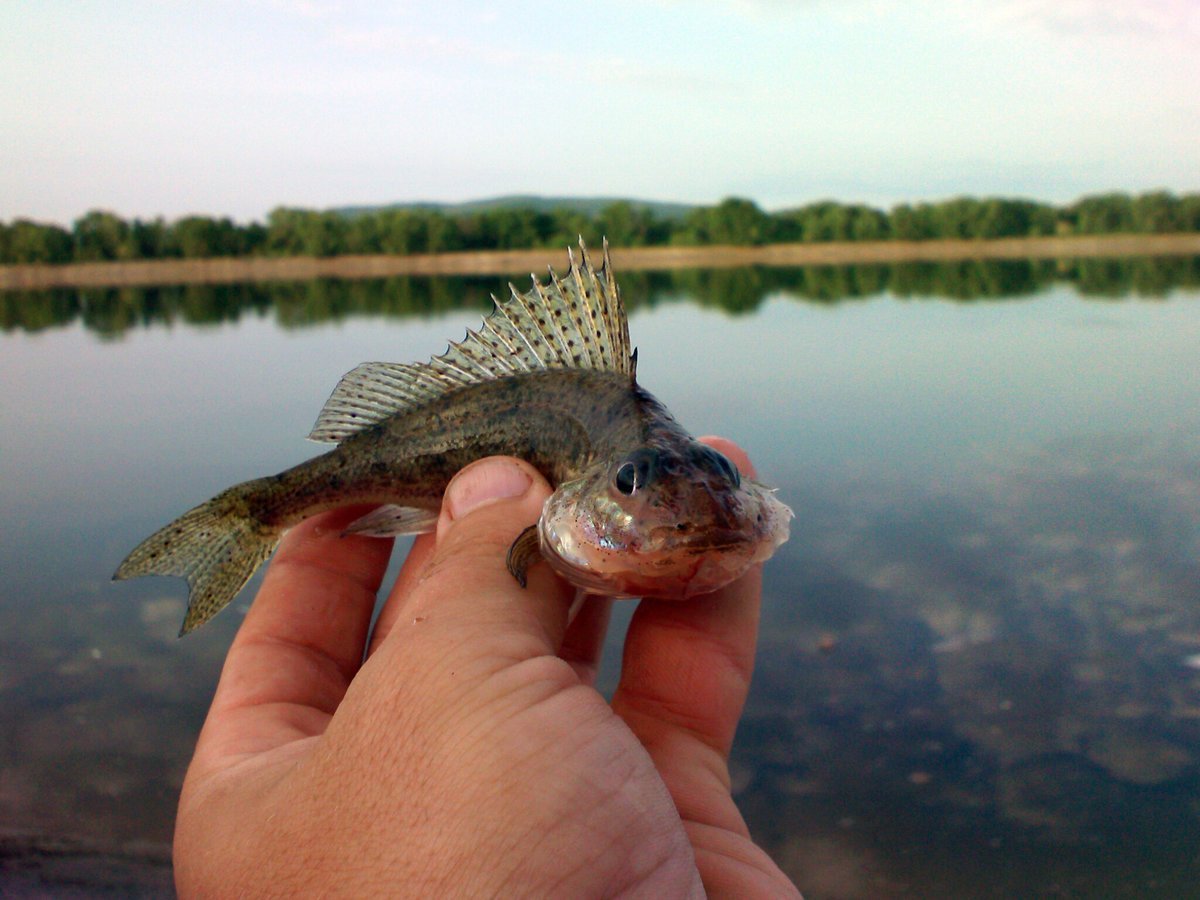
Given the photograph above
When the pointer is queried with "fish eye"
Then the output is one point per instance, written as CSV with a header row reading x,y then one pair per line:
x,y
626,479
636,471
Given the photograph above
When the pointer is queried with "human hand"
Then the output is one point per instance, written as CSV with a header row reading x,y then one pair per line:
x,y
469,755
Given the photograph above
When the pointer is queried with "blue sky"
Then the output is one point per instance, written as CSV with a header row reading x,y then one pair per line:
x,y
232,108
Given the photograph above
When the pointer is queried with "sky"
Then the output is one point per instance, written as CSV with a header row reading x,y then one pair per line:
x,y
234,107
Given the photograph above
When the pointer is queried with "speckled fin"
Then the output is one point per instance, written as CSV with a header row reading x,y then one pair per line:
x,y
392,521
575,322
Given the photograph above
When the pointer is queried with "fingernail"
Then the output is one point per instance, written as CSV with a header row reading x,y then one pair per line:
x,y
483,482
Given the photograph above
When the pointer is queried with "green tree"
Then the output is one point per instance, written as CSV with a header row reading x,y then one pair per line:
x,y
959,217
629,225
254,238
150,240
568,225
33,242
442,233
1002,217
323,233
1155,213
732,221
1189,212
400,232
825,220
196,237
786,226
364,233
1103,214
912,223
504,228
1043,219
101,235
868,224
302,232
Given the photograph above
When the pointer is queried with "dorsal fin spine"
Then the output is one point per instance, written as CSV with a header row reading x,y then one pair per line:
x,y
488,326
454,371
519,300
574,322
561,323
476,339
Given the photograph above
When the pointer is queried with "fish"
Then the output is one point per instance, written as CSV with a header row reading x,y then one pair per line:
x,y
640,508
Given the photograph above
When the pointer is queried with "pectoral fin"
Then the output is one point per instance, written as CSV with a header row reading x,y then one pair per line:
x,y
392,521
524,552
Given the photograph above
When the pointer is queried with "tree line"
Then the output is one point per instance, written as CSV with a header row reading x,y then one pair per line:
x,y
100,235
112,311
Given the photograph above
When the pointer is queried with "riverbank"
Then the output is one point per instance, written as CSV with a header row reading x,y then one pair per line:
x,y
515,262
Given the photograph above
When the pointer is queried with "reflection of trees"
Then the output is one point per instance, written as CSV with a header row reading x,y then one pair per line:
x,y
735,290
111,311
303,303
972,279
1145,277
37,310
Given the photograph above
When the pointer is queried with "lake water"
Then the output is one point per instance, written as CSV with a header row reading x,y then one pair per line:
x,y
979,669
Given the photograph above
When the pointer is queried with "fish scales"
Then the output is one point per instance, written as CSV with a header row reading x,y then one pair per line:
x,y
558,422
640,508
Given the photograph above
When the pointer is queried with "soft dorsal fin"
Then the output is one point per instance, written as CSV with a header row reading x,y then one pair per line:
x,y
576,322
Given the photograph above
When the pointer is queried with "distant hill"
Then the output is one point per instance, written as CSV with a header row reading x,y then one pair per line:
x,y
589,206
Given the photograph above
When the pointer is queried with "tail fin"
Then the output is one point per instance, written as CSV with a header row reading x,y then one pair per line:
x,y
217,547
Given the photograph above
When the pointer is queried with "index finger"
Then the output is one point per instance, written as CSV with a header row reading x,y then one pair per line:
x,y
686,673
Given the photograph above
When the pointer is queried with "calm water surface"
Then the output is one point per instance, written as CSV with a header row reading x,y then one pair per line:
x,y
979,671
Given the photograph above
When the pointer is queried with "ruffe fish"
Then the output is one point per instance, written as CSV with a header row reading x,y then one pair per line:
x,y
640,508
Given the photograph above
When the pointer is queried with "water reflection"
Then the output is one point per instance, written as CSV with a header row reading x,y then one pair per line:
x,y
978,666
996,665
113,311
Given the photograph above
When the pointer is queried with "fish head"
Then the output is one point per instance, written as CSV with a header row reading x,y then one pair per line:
x,y
671,519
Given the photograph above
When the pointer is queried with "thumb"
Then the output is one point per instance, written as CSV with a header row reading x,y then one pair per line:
x,y
461,589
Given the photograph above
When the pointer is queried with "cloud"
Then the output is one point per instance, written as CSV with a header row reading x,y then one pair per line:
x,y
1059,18
307,9
845,10
602,70
1097,18
396,39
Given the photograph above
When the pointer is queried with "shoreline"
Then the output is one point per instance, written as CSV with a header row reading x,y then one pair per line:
x,y
223,270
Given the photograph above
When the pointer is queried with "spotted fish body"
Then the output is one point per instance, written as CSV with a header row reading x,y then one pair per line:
x,y
640,508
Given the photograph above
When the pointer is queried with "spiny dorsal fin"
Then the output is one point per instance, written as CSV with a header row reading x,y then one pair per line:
x,y
576,322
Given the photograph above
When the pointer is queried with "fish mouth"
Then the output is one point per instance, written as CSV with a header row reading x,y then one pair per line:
x,y
713,540
675,569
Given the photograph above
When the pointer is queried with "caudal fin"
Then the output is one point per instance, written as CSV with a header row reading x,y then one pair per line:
x,y
215,546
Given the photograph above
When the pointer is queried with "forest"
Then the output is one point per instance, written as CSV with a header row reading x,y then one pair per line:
x,y
105,236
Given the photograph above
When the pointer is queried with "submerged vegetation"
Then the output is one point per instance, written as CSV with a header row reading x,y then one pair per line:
x,y
104,236
111,311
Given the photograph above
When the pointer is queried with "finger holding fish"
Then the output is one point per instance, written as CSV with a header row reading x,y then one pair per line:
x,y
457,574
684,681
688,666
